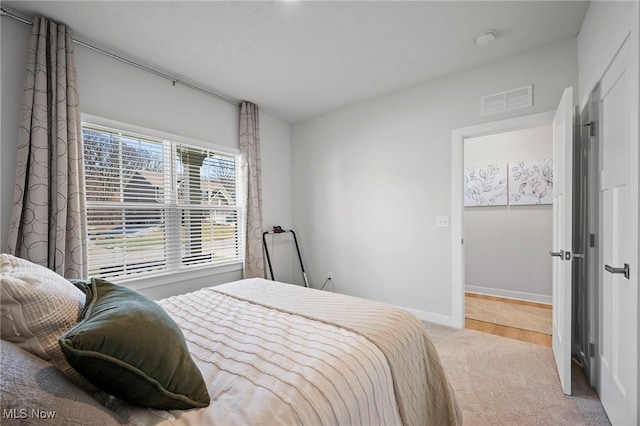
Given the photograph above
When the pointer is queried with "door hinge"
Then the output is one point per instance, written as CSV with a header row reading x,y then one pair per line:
x,y
592,350
592,240
592,127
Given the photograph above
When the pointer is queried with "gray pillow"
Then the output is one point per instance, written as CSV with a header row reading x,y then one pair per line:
x,y
34,392
128,346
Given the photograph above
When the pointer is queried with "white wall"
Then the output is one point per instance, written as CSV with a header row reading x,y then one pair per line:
x,y
507,247
605,26
118,91
276,199
370,179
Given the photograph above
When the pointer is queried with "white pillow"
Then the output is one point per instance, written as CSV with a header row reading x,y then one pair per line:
x,y
37,307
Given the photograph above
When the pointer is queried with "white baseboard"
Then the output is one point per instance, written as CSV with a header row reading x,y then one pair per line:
x,y
529,297
429,317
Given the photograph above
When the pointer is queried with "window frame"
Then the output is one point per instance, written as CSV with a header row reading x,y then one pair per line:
x,y
191,272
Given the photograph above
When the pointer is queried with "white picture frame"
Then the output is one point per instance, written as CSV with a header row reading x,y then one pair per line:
x,y
485,185
531,182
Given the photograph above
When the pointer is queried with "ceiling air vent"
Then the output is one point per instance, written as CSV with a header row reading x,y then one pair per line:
x,y
507,100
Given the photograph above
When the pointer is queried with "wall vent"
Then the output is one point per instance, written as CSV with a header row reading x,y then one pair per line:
x,y
507,100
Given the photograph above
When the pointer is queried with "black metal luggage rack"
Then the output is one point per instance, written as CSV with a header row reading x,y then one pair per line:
x,y
279,230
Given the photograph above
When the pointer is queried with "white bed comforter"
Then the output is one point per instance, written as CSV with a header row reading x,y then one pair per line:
x,y
279,354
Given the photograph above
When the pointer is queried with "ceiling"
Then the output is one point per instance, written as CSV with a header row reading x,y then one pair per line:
x,y
299,59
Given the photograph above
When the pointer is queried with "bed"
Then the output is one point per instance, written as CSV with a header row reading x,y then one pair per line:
x,y
266,353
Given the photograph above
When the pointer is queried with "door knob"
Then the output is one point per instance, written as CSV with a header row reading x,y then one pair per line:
x,y
559,254
624,270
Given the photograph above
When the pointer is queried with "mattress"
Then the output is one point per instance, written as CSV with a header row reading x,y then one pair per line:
x,y
275,353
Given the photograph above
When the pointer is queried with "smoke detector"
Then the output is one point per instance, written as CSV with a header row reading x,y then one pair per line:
x,y
485,37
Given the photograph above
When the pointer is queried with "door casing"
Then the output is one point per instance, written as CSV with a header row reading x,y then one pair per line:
x,y
458,137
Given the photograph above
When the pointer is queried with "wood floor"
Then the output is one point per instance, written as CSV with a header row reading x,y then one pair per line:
x,y
510,332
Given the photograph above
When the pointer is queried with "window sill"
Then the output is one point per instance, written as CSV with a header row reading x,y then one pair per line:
x,y
173,277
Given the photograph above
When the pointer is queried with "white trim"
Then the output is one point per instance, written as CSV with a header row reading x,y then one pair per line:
x,y
429,317
509,294
183,275
604,65
457,210
608,47
146,132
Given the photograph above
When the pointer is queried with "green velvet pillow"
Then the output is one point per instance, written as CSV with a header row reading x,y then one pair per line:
x,y
128,346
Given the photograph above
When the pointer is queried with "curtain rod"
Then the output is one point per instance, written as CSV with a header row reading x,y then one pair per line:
x,y
134,64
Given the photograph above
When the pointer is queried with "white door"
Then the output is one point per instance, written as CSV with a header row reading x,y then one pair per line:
x,y
617,348
561,241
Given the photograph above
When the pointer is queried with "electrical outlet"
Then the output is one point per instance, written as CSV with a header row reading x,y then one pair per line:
x,y
330,275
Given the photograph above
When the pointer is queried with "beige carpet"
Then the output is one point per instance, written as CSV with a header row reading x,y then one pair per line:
x,y
500,381
518,316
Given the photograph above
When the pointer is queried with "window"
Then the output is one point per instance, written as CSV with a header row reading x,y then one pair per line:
x,y
156,206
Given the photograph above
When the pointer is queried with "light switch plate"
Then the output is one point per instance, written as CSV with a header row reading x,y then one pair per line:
x,y
442,221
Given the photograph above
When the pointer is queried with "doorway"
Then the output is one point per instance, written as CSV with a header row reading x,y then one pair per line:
x,y
508,225
457,204
562,121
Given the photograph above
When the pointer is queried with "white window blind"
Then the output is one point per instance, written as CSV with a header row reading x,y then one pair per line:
x,y
157,206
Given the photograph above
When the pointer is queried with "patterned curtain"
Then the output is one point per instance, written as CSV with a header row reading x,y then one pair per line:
x,y
252,176
48,220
